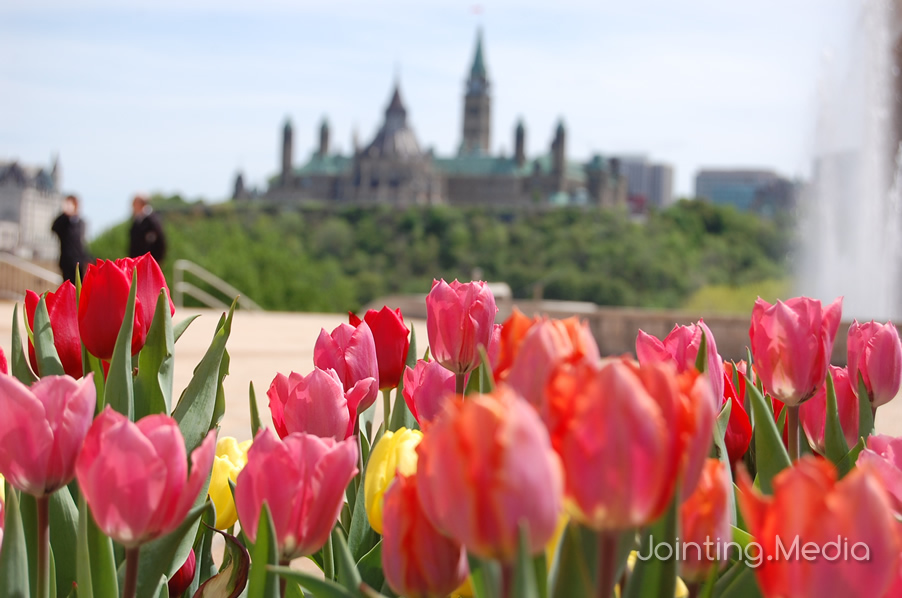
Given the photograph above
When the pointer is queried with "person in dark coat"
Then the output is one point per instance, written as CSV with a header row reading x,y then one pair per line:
x,y
70,229
146,235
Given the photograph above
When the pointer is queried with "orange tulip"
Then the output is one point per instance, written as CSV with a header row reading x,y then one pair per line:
x,y
622,431
819,536
705,518
485,465
513,330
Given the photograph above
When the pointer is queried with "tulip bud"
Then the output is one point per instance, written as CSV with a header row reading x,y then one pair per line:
x,y
392,343
705,522
875,352
883,458
680,348
813,412
426,388
791,344
316,404
351,352
459,318
395,452
228,463
62,308
182,579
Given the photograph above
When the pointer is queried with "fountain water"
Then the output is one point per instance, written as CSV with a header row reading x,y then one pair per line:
x,y
850,222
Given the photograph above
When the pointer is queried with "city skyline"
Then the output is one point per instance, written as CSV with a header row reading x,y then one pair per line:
x,y
160,97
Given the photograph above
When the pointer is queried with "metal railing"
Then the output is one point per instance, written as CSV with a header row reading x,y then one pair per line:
x,y
181,287
18,275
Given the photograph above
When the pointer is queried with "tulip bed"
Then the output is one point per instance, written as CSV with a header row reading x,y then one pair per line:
x,y
516,460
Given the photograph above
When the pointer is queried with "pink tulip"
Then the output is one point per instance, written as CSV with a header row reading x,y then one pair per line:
x,y
417,559
351,352
875,352
426,388
811,508
135,477
680,348
459,318
302,479
548,343
813,412
791,343
42,429
484,466
883,457
316,404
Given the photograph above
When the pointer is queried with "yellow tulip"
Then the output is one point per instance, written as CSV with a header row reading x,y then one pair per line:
x,y
395,451
230,459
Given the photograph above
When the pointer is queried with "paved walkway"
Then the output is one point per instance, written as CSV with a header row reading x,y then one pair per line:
x,y
265,343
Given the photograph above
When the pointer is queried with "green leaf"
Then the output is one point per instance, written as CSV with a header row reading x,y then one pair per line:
x,y
95,560
474,384
834,439
772,457
92,365
194,412
573,569
48,360
261,582
28,511
701,360
361,537
737,582
321,588
720,431
525,585
164,556
153,385
203,552
119,392
487,380
345,566
401,417
64,538
652,577
485,576
847,463
14,578
231,581
179,329
865,413
370,567
18,364
255,414
411,360
219,406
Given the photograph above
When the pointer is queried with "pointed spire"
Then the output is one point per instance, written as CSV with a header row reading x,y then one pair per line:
x,y
396,105
478,71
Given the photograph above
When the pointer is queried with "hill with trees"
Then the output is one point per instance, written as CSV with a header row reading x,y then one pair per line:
x,y
338,258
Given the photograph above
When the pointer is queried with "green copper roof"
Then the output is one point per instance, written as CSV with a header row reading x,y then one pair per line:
x,y
478,70
325,165
480,165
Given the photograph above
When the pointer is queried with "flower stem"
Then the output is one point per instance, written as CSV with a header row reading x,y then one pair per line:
x,y
328,562
386,408
282,580
507,580
459,383
131,572
607,563
43,506
874,415
792,421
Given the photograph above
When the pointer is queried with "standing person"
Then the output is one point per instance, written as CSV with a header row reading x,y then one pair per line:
x,y
146,234
70,229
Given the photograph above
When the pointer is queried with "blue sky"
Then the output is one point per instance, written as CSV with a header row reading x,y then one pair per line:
x,y
175,96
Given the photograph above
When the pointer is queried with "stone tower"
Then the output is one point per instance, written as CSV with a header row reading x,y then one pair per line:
x,y
520,144
477,106
559,156
324,139
286,153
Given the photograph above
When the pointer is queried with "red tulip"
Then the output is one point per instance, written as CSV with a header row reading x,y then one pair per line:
x,y
791,343
513,330
63,310
484,466
883,458
705,518
833,526
545,345
459,318
134,475
875,352
182,579
625,434
697,411
4,366
680,348
426,389
417,559
302,479
316,404
813,412
392,340
104,294
739,428
351,352
42,429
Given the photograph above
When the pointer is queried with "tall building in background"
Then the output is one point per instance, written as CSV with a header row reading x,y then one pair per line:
x,y
29,201
648,184
394,169
761,191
